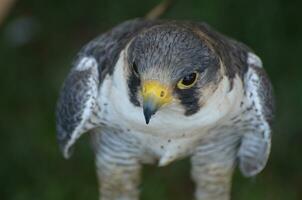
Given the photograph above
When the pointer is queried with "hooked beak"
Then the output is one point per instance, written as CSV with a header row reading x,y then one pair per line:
x,y
155,95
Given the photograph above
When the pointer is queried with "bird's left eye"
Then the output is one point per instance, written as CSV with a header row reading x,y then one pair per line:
x,y
188,81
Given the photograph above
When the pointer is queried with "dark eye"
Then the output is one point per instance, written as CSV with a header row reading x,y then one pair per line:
x,y
188,81
134,67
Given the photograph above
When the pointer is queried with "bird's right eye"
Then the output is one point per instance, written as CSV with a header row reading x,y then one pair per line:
x,y
188,81
134,67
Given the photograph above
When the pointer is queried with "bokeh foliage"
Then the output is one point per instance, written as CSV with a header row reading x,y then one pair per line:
x,y
52,31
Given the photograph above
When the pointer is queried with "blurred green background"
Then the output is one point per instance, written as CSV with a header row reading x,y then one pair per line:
x,y
38,40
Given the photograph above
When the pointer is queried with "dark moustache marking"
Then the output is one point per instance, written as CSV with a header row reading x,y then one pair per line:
x,y
189,98
134,86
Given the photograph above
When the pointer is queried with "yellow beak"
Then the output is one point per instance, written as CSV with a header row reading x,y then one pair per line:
x,y
155,95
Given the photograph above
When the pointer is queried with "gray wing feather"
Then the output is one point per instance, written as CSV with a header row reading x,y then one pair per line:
x,y
255,145
77,103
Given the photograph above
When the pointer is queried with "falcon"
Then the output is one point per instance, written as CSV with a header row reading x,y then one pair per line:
x,y
155,91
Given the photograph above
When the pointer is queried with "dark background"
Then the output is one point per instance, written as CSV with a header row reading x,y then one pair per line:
x,y
38,40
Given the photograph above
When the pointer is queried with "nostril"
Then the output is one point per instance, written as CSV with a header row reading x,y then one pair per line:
x,y
162,94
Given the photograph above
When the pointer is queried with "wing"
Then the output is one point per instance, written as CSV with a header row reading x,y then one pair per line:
x,y
255,145
77,105
238,59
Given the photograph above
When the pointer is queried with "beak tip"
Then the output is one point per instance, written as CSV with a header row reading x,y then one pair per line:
x,y
148,112
147,117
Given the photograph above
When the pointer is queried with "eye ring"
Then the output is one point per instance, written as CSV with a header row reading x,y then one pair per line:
x,y
188,81
135,69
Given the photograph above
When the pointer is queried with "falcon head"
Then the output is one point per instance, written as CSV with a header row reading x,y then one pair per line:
x,y
172,66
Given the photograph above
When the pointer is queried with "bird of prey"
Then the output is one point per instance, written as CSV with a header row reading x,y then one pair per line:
x,y
154,91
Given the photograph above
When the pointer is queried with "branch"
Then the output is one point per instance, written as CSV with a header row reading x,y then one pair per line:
x,y
5,7
159,10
